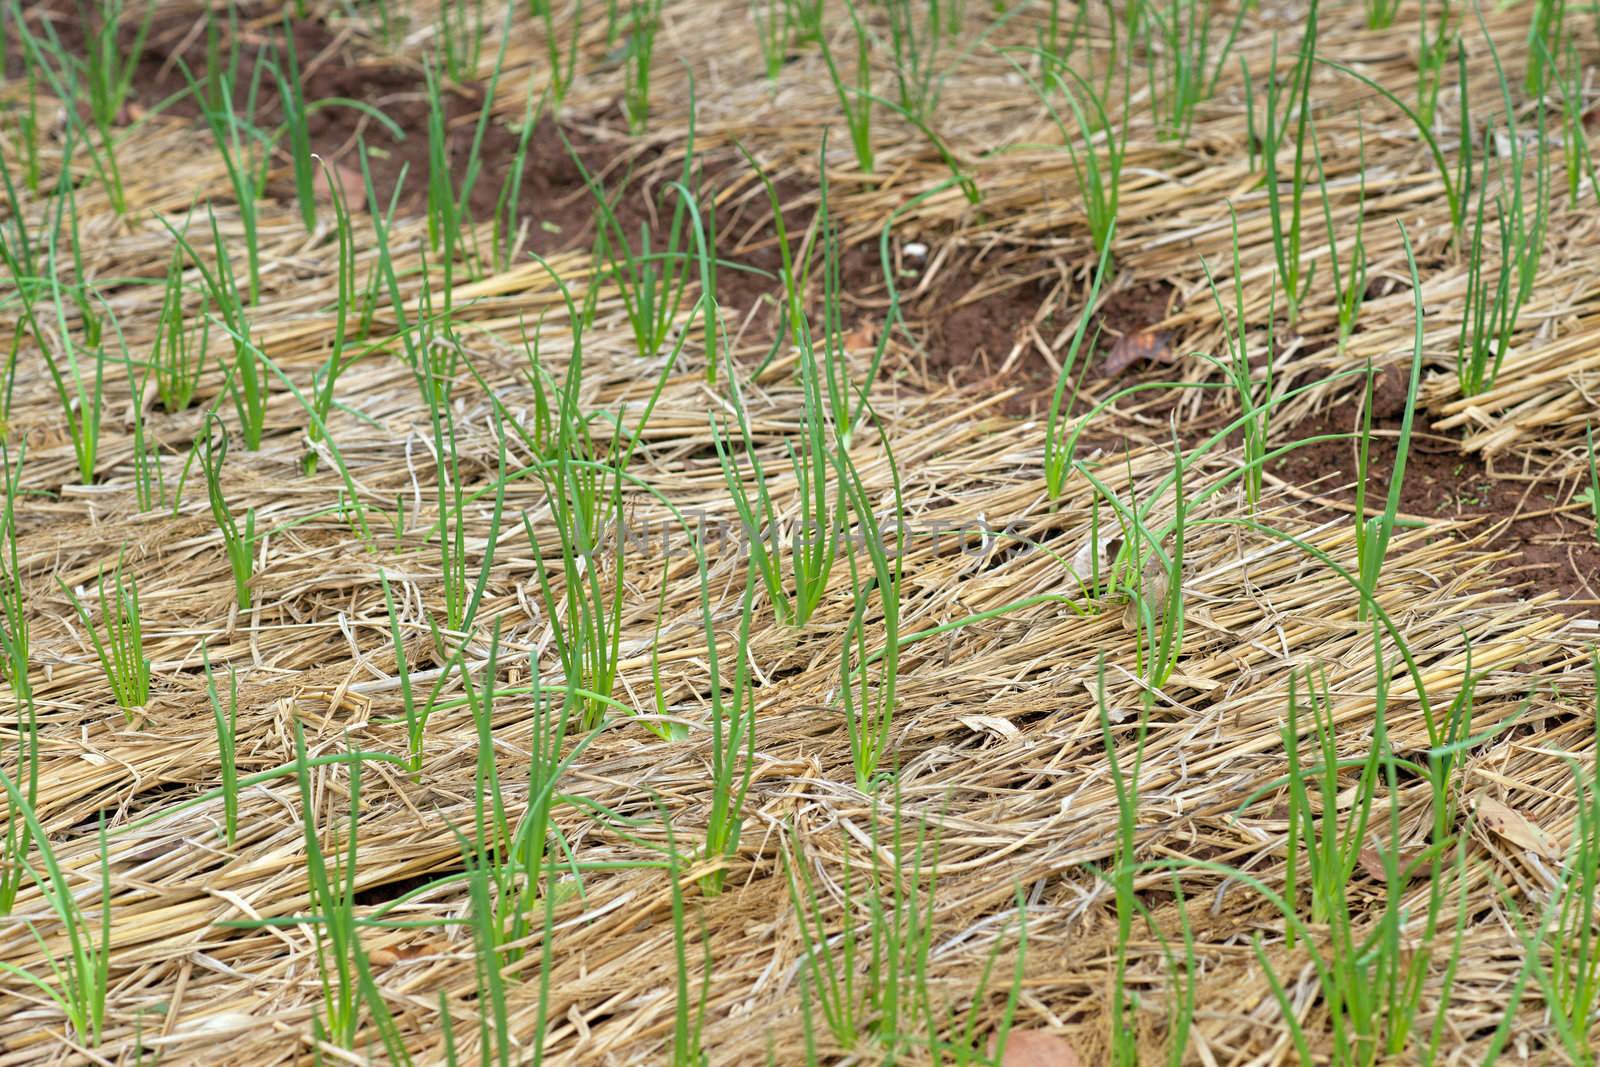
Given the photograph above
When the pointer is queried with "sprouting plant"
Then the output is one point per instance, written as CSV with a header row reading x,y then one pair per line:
x,y
297,128
149,471
1569,76
379,19
651,281
914,43
1152,578
1181,71
1501,276
462,597
65,77
1373,533
331,886
416,719
81,977
1049,39
435,362
774,33
1124,865
1433,51
1331,842
178,354
1057,443
584,495
81,397
644,21
459,38
227,724
806,17
865,966
862,979
506,234
327,376
1286,104
217,70
1254,405
452,179
733,732
18,839
583,475
121,649
1566,932
855,100
1099,182
246,378
498,887
240,549
689,1007
814,543
1545,28
109,63
28,123
245,152
1350,281
1381,13
867,679
513,863
1332,850
562,67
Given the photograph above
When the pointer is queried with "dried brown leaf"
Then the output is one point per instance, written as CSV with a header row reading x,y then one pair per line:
x,y
1036,1048
1154,589
1371,861
1501,821
861,338
1142,346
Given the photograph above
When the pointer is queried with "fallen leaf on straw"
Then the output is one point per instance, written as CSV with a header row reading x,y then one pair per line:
x,y
1035,1048
1503,822
1371,861
1154,594
860,339
1144,346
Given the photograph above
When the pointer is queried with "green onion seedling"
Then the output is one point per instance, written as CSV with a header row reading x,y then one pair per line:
x,y
651,281
855,100
1373,533
121,649
81,978
1350,281
1178,62
774,33
342,965
1495,297
1058,446
178,354
240,548
18,835
227,726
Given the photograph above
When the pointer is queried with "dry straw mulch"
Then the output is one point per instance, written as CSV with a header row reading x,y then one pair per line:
x,y
997,734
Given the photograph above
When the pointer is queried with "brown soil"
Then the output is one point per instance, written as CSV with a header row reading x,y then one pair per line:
x,y
967,338
1556,550
554,196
